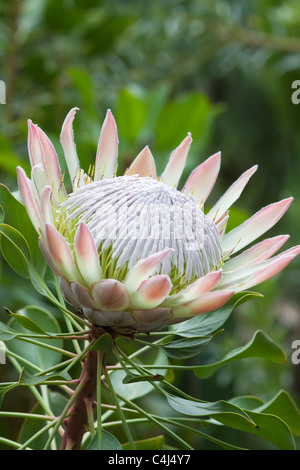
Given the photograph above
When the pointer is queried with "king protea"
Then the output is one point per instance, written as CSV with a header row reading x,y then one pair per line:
x,y
134,253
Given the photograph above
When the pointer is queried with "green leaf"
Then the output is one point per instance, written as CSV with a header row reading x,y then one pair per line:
x,y
28,323
207,409
15,250
185,348
131,114
108,442
260,346
247,402
29,379
82,82
104,343
42,357
269,427
262,425
16,216
283,406
189,112
7,333
133,378
152,443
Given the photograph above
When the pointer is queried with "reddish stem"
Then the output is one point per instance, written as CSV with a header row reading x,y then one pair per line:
x,y
77,420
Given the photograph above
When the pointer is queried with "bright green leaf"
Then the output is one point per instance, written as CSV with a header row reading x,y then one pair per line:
x,y
15,250
28,323
131,114
16,216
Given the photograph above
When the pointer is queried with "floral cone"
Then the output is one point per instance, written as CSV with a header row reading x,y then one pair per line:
x,y
132,252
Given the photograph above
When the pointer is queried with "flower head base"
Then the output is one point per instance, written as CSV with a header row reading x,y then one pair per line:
x,y
132,252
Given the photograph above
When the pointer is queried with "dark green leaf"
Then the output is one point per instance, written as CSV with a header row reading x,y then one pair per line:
x,y
269,427
108,442
260,346
266,426
104,343
283,406
188,347
209,409
132,378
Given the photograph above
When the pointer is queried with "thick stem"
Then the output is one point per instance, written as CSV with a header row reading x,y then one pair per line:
x,y
77,420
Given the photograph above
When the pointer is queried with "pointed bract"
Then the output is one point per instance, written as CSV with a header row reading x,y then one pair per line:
x,y
205,303
86,254
35,149
231,195
152,292
259,252
46,206
197,288
271,270
61,253
51,161
68,144
143,269
254,227
29,200
203,178
107,151
143,165
176,164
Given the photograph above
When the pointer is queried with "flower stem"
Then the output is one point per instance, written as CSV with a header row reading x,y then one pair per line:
x,y
77,413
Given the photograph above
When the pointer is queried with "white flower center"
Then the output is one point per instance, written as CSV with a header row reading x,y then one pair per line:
x,y
135,217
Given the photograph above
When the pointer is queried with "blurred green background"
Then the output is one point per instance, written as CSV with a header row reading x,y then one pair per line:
x,y
222,70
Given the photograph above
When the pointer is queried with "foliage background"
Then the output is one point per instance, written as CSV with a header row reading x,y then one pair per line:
x,y
220,69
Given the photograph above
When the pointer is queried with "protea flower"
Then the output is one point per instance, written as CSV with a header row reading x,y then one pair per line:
x,y
134,253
